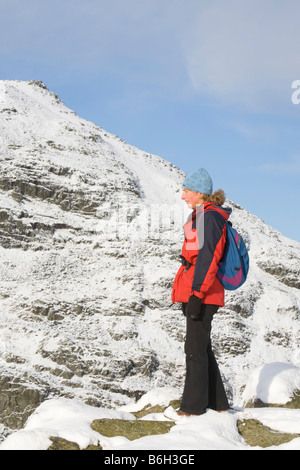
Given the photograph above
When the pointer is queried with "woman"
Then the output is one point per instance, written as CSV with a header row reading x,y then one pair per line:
x,y
201,293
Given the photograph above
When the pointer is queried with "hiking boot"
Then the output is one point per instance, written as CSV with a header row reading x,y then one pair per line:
x,y
184,413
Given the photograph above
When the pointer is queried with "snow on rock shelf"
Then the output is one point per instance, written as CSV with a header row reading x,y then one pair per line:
x,y
90,238
275,383
80,424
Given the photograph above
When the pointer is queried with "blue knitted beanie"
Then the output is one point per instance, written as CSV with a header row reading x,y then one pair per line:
x,y
199,181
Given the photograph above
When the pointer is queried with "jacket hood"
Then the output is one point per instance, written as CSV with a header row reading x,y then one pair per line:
x,y
225,211
208,206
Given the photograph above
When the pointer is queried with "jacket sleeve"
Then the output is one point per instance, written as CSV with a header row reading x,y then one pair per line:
x,y
212,236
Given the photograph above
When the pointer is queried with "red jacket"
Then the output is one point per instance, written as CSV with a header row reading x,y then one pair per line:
x,y
203,246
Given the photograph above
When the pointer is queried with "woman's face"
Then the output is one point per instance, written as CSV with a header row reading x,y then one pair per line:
x,y
192,198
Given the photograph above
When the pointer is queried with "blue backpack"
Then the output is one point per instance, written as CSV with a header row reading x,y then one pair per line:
x,y
234,265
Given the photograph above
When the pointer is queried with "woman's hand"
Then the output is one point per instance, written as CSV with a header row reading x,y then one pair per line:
x,y
193,307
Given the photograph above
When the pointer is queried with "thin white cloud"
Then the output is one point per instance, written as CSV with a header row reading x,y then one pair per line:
x,y
287,166
238,52
245,52
99,28
135,40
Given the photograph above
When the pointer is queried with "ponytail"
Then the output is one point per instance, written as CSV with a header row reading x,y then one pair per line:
x,y
218,197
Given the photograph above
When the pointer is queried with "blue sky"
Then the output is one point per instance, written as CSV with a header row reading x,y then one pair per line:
x,y
202,83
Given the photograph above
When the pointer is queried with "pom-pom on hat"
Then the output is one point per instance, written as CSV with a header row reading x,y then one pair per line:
x,y
199,181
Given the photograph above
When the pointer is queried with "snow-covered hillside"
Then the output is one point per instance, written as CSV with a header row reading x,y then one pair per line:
x,y
90,237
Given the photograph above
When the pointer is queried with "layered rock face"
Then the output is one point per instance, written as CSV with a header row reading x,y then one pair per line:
x,y
90,238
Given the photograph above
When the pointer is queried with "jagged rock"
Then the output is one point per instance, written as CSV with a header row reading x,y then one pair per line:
x,y
130,429
58,443
286,275
148,409
18,400
293,403
256,434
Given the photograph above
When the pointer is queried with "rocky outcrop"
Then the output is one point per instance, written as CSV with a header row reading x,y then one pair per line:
x,y
19,399
256,434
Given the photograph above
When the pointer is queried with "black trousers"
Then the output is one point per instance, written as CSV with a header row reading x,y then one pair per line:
x,y
203,383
